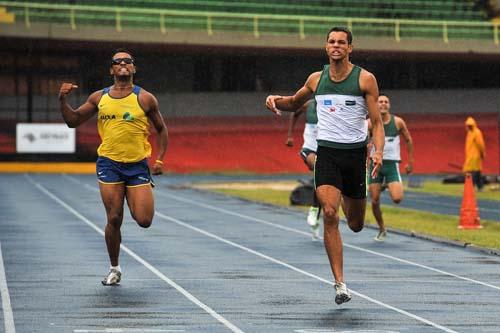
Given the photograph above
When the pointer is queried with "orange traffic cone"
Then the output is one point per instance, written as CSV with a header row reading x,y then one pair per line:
x,y
469,214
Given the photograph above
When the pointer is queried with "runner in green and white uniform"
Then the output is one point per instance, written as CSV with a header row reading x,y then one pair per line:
x,y
389,174
344,94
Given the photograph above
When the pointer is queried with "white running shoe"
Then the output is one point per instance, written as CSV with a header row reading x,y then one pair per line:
x,y
381,236
342,294
113,278
313,221
315,232
312,217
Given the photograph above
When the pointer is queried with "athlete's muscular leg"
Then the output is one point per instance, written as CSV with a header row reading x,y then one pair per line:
x,y
329,198
375,190
396,191
354,210
310,161
141,204
112,196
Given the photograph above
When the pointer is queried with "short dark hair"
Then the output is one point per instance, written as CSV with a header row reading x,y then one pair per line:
x,y
122,50
384,94
341,29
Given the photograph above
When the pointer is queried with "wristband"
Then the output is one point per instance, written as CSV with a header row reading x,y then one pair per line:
x,y
159,161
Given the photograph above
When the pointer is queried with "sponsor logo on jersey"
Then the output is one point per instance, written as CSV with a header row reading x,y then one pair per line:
x,y
128,116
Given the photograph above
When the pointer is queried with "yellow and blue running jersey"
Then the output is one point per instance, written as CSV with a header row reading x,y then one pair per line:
x,y
123,127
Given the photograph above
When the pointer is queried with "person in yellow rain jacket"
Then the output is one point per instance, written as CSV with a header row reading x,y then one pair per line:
x,y
474,152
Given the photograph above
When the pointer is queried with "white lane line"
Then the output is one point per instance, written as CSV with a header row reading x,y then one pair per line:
x,y
8,316
250,218
184,292
298,270
403,312
297,231
314,330
127,330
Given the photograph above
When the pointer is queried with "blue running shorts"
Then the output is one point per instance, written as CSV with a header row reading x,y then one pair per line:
x,y
130,174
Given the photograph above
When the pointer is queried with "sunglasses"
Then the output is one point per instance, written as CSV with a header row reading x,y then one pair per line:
x,y
118,61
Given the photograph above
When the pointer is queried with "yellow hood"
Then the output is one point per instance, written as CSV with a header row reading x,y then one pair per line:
x,y
470,122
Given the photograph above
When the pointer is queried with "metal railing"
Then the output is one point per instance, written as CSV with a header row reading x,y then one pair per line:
x,y
256,24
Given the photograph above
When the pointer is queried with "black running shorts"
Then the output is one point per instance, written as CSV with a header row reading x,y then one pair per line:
x,y
343,168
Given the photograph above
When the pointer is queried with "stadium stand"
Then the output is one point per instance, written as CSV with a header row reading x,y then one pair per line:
x,y
412,9
400,18
198,118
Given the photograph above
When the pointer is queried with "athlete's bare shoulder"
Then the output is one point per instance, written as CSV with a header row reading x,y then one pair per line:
x,y
95,97
315,76
147,100
400,123
145,94
313,81
367,81
366,75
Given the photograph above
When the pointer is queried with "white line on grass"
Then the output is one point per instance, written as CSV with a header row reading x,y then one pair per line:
x,y
225,211
8,316
155,271
298,270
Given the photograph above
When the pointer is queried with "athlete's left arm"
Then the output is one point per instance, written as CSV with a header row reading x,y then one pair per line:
x,y
153,112
368,85
294,117
403,130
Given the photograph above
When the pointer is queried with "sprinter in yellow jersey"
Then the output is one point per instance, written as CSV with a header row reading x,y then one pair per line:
x,y
124,112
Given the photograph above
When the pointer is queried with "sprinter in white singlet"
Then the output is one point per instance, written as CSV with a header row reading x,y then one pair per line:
x,y
389,174
345,94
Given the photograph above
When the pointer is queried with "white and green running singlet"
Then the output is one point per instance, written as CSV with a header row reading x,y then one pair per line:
x,y
341,110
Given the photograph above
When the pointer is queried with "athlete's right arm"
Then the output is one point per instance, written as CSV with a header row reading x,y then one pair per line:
x,y
74,118
277,103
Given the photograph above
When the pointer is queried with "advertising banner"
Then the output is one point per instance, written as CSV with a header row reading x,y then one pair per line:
x,y
44,138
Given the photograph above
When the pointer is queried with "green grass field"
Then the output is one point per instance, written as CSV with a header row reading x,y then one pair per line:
x,y
424,223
